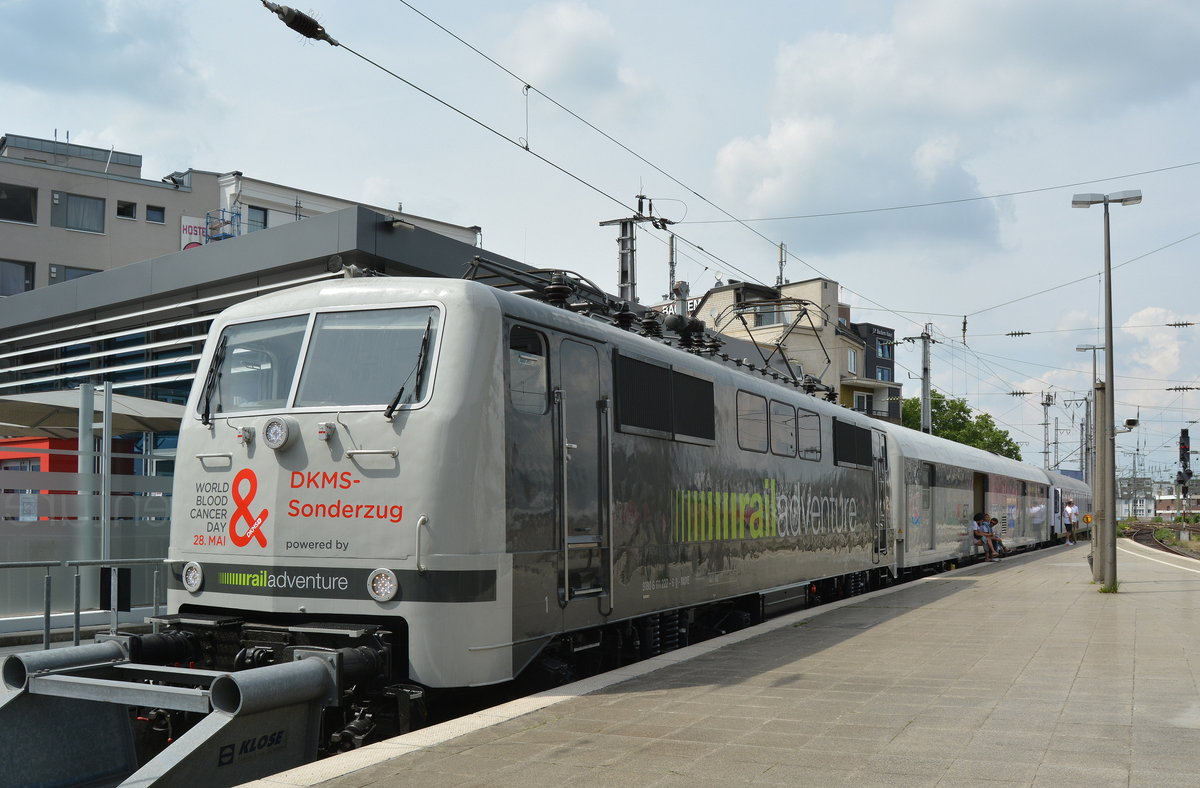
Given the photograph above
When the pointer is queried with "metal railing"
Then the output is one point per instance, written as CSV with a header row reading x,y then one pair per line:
x,y
112,565
47,565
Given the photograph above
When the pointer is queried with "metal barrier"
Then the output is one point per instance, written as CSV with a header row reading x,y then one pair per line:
x,y
113,566
47,565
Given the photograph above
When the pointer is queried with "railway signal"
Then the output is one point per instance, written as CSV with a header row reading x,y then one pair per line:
x,y
1185,461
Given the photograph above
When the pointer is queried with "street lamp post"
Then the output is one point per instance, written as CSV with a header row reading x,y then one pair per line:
x,y
1108,419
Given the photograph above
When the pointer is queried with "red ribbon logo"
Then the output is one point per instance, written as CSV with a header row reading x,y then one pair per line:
x,y
242,513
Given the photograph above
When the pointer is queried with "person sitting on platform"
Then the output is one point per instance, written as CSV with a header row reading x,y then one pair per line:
x,y
982,534
997,544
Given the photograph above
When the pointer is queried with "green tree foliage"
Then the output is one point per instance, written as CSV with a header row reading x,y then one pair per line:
x,y
953,420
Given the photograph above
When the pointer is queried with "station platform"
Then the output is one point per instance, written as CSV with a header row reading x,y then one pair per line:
x,y
1012,673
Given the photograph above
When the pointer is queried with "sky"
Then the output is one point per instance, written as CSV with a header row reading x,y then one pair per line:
x,y
923,153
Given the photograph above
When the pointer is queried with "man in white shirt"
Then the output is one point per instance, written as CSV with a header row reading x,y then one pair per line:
x,y
1070,519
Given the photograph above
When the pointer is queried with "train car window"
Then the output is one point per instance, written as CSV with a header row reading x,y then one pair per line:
x,y
808,435
693,409
528,386
752,421
365,357
255,370
643,397
851,444
783,429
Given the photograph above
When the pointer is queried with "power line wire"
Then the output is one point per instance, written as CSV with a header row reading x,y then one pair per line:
x,y
954,201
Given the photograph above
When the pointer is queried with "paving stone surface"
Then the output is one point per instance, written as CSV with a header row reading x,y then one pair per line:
x,y
1019,673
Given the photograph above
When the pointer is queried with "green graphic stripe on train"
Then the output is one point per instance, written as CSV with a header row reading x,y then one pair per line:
x,y
775,510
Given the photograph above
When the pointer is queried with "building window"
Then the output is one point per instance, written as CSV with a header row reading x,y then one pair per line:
x,y
18,203
852,361
156,214
15,277
77,212
883,348
256,218
126,210
883,373
65,273
769,315
863,403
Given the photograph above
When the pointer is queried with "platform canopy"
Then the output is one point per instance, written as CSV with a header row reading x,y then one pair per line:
x,y
55,414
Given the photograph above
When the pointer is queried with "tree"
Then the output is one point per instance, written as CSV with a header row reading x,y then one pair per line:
x,y
953,420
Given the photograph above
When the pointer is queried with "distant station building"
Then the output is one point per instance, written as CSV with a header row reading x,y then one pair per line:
x,y
67,211
806,325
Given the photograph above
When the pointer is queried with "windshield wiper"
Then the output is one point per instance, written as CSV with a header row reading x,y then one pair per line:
x,y
210,382
419,369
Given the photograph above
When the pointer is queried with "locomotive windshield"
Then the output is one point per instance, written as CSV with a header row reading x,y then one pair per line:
x,y
357,358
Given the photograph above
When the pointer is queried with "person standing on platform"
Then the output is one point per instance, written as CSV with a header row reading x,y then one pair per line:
x,y
1070,519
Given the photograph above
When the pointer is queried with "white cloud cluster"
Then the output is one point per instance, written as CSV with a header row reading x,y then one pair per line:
x,y
570,47
899,116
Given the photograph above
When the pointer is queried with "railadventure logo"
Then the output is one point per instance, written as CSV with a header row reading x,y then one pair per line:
x,y
771,511
350,583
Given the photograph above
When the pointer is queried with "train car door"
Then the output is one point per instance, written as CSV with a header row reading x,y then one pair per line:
x,y
883,495
583,452
1056,512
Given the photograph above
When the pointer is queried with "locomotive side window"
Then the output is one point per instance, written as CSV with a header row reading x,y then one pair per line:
x,y
661,402
366,357
255,363
527,386
643,394
851,444
752,421
693,407
783,429
808,432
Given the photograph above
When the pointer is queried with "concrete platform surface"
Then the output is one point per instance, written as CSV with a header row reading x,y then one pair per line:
x,y
1017,673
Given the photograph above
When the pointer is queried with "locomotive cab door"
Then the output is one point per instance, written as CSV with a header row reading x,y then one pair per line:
x,y
583,456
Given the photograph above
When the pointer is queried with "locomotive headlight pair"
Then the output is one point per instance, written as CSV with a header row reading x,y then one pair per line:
x,y
193,576
382,585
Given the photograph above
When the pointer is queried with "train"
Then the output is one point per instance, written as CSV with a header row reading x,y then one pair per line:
x,y
480,484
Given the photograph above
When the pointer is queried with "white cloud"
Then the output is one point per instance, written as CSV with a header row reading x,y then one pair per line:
x,y
1149,347
569,46
905,112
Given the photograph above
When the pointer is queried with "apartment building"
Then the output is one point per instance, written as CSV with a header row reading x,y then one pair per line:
x,y
69,210
806,324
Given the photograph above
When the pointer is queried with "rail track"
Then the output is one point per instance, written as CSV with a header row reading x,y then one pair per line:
x,y
1146,533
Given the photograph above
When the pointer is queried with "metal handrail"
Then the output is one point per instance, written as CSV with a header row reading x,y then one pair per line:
x,y
47,565
113,566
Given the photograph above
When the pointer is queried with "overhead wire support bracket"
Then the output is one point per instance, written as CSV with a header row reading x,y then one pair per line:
x,y
301,22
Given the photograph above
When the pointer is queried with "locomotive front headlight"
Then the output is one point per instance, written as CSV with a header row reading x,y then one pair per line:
x,y
382,585
193,576
279,432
